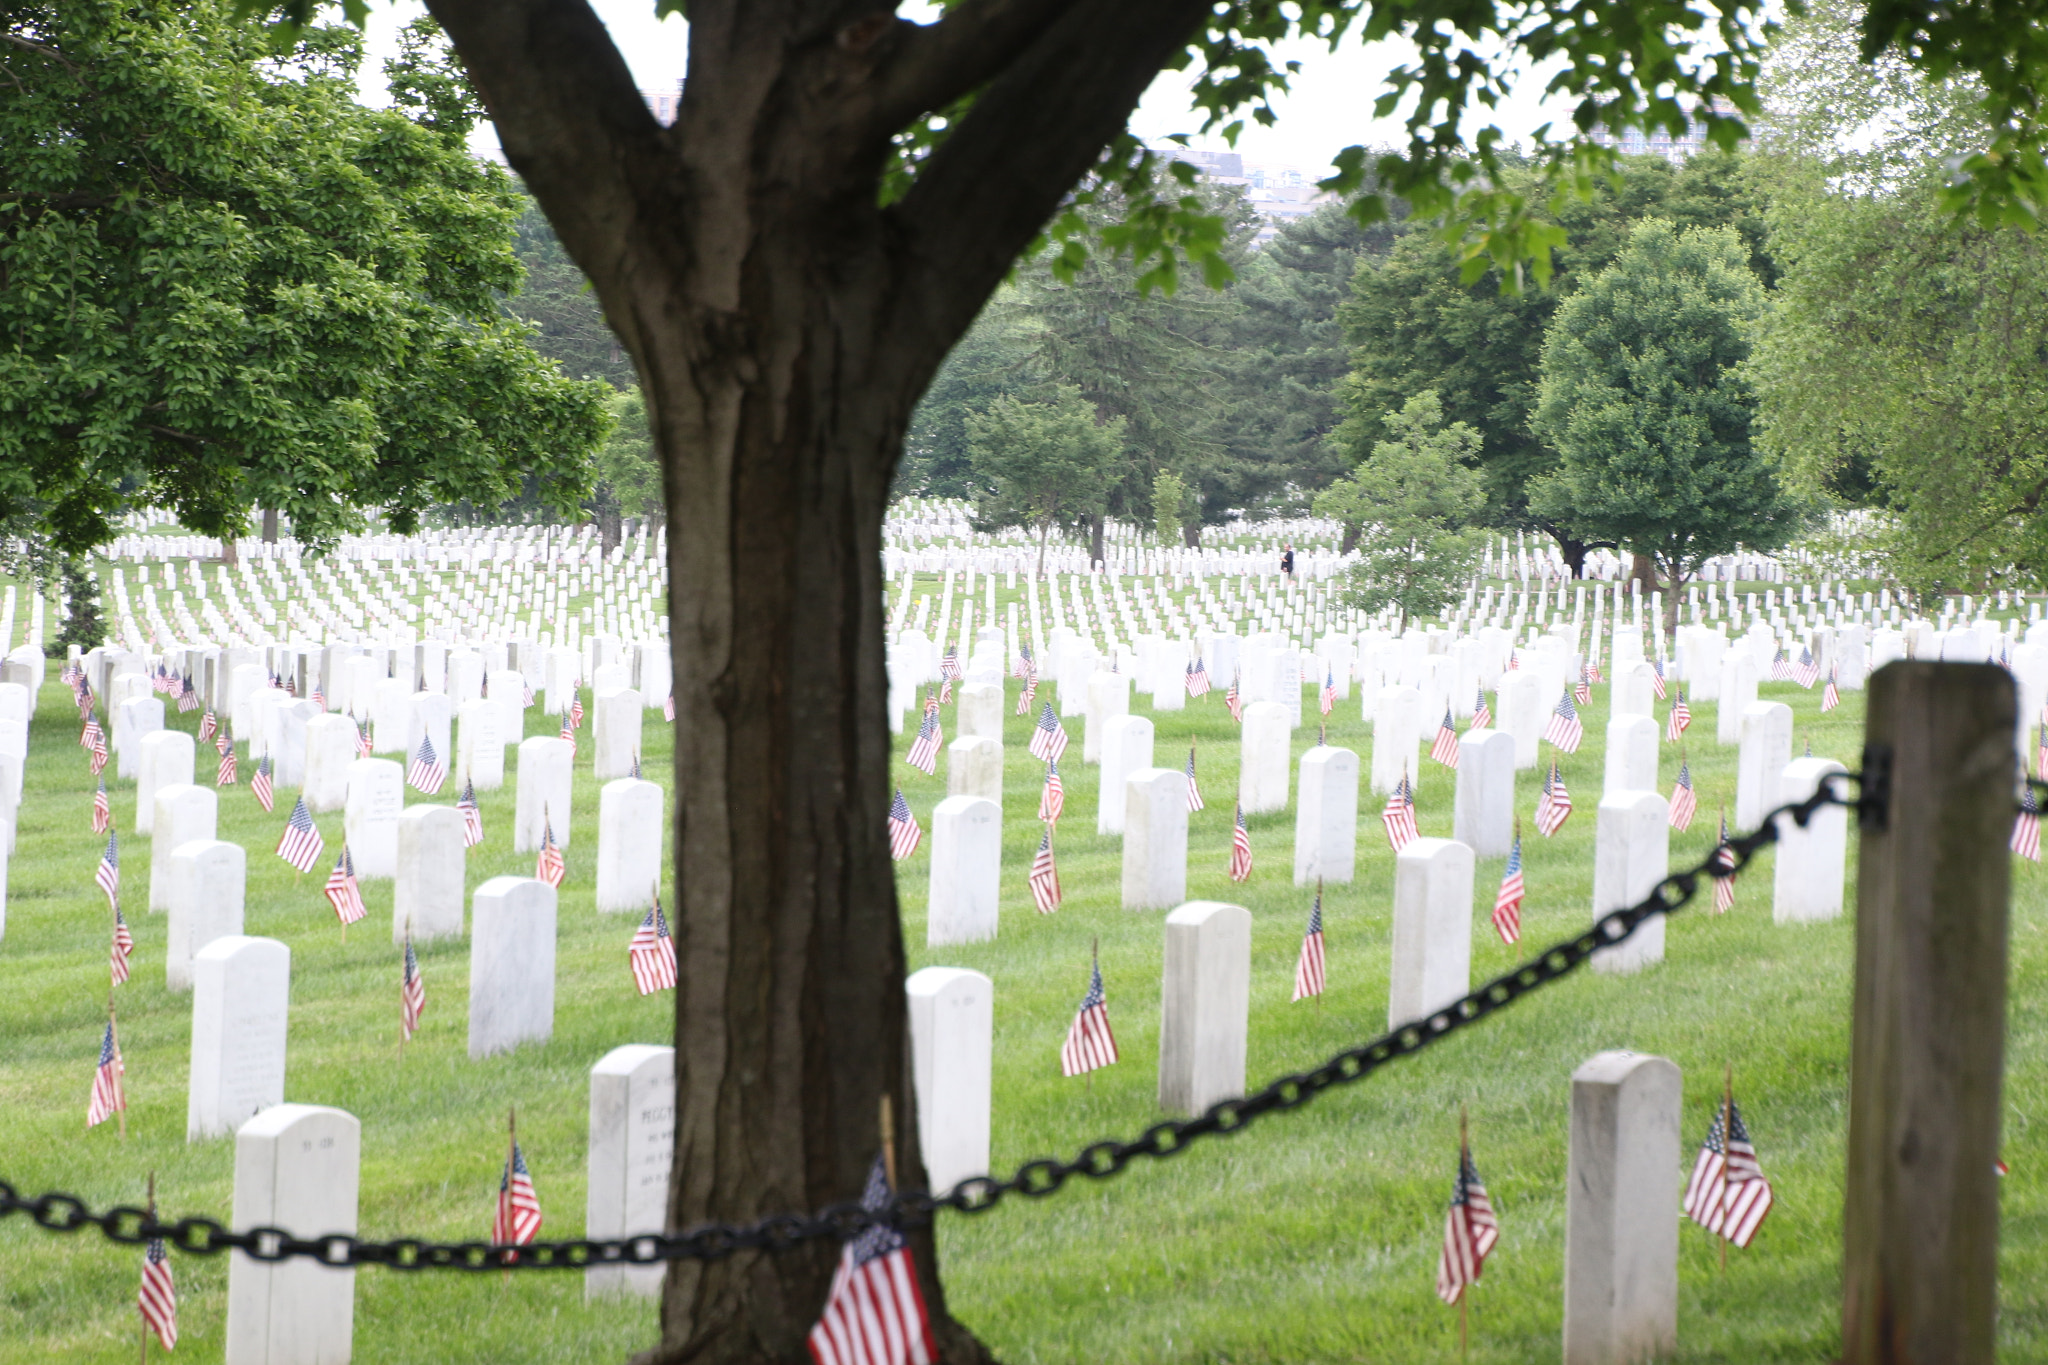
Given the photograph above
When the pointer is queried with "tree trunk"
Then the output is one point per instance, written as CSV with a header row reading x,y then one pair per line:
x,y
1643,569
270,526
1044,532
784,322
1096,525
1352,531
1191,534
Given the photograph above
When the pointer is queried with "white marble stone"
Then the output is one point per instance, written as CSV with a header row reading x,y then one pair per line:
x,y
376,796
1812,863
1126,748
1326,816
1738,694
479,745
359,677
1623,1179
508,693
1431,964
1396,735
165,760
1766,749
241,1000
289,757
615,733
1155,864
543,792
1109,696
974,767
297,1168
1205,1005
631,1146
205,885
511,965
330,753
1483,818
1265,747
952,1032
390,715
183,812
656,673
981,710
1631,753
1633,690
629,838
426,898
430,716
1631,854
1524,707
465,676
966,871
138,717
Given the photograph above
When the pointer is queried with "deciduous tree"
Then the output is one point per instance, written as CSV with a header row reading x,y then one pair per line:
x,y
1046,463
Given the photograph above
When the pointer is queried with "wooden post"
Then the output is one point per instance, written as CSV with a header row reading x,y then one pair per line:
x,y
1920,1222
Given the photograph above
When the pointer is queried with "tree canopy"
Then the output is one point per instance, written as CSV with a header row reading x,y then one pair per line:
x,y
224,283
1046,463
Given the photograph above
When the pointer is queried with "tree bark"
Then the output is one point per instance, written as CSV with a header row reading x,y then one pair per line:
x,y
1096,553
784,323
270,526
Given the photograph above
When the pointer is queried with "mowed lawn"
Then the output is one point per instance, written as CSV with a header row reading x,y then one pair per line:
x,y
1312,1237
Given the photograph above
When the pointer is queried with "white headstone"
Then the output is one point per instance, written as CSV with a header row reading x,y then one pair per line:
x,y
206,882
511,965
479,745
974,767
1622,1187
465,676
330,750
430,717
139,716
184,812
1396,733
296,1169
615,733
1631,755
632,1144
288,758
952,1031
966,872
1766,749
1483,818
508,693
1326,816
1738,694
981,710
241,1000
543,793
426,898
165,761
1155,871
1525,706
1811,862
1265,745
1431,964
1109,696
1205,1005
376,795
629,839
1126,748
1631,854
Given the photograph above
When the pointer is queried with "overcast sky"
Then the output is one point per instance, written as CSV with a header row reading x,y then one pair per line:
x,y
1329,109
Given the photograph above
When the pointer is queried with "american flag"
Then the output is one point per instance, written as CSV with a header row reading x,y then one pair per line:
x,y
904,831
108,873
426,773
1194,789
364,745
575,708
1024,665
1048,737
525,693
924,750
668,706
1045,876
188,700
91,736
121,949
550,867
1684,801
1240,848
1507,902
949,666
1565,730
158,1299
1727,1193
342,892
102,812
1198,678
568,734
207,724
1657,678
412,992
1052,798
1781,667
1328,700
2041,754
224,776
1724,886
1482,716
945,691
1309,967
874,1313
1554,805
1234,700
260,784
319,698
107,1097
1399,816
1806,672
1470,1230
1444,749
1089,1043
1029,694
472,816
518,1220
1681,717
1583,688
2026,830
653,953
300,844
1831,695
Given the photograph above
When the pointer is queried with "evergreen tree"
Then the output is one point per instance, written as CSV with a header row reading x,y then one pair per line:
x,y
82,623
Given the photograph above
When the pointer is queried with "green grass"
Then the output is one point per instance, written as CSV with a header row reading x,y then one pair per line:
x,y
1311,1238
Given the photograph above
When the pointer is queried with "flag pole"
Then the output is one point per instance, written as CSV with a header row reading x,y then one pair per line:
x,y
1727,1137
889,1141
1464,1290
1095,962
505,1190
1319,994
145,1320
120,1086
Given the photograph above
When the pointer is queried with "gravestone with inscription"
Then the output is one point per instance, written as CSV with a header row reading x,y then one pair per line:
x,y
632,1140
241,999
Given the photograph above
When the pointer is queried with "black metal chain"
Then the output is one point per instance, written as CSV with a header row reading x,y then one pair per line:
x,y
1034,1179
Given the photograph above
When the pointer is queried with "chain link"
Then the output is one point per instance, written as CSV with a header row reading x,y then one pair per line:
x,y
1034,1179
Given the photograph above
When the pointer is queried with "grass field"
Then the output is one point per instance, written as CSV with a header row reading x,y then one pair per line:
x,y
1311,1238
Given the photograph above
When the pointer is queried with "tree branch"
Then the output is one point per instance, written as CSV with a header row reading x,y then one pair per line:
x,y
935,64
